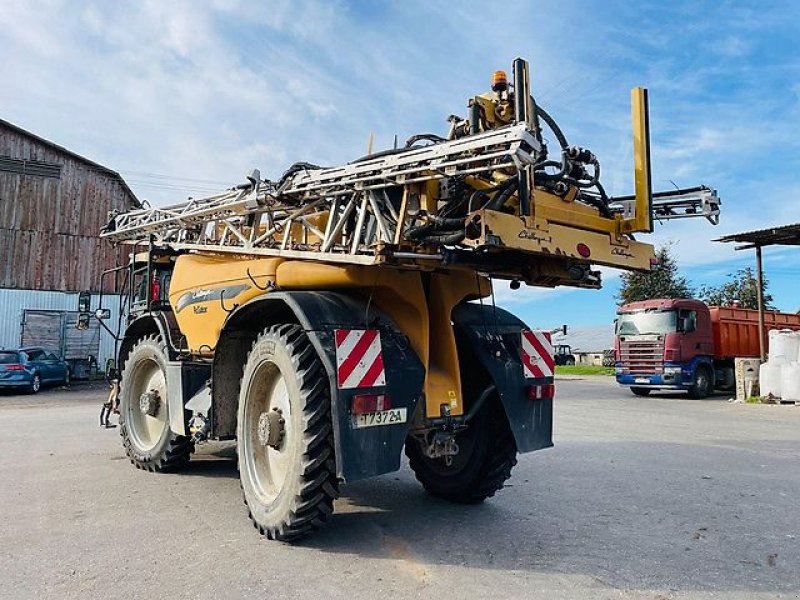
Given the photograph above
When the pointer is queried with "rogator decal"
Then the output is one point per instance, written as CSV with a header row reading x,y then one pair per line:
x,y
207,294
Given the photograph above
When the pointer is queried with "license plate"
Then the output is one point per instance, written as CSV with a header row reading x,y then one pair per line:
x,y
642,380
382,417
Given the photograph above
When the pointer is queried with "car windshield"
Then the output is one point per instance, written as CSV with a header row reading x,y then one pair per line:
x,y
9,358
656,321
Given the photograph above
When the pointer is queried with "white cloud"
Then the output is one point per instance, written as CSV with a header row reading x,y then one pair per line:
x,y
207,91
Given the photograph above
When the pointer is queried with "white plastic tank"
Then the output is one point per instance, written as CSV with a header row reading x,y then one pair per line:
x,y
790,381
784,343
769,377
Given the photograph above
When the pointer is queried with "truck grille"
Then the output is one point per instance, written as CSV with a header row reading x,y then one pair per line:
x,y
645,357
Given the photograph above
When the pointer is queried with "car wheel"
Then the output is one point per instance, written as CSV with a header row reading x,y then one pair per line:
x,y
36,384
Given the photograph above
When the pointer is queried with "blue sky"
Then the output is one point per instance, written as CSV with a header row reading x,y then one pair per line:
x,y
185,97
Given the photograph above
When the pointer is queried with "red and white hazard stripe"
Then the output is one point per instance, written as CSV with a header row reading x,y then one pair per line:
x,y
537,354
359,358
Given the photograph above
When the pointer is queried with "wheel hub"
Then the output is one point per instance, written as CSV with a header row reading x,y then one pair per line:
x,y
149,403
271,428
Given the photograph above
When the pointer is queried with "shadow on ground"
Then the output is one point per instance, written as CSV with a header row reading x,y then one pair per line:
x,y
631,515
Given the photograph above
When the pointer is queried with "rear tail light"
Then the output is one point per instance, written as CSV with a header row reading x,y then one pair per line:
x,y
14,367
368,403
540,392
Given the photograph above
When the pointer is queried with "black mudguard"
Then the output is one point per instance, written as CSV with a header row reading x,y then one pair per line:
x,y
492,337
369,451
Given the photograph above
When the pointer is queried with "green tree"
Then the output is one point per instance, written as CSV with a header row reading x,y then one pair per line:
x,y
742,287
664,281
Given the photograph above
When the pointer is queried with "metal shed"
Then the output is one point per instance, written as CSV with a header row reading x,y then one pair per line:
x,y
785,235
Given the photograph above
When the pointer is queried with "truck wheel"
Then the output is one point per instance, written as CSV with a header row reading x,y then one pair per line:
x,y
144,410
703,383
487,453
641,391
285,444
570,361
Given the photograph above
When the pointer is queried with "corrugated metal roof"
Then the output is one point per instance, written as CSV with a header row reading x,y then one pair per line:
x,y
785,235
590,338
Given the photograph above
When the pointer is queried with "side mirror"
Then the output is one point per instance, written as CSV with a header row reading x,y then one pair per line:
x,y
84,301
564,330
82,323
103,313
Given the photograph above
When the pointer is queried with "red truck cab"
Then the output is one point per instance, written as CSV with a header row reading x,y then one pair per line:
x,y
667,344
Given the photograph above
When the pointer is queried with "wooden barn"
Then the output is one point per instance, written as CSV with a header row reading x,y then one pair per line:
x,y
53,203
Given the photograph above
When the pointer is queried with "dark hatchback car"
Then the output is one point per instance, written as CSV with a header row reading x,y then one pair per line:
x,y
31,368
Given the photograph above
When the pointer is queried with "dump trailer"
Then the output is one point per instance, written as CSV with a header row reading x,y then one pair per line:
x,y
330,318
682,344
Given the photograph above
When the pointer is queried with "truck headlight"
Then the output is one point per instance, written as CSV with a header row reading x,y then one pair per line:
x,y
672,370
617,370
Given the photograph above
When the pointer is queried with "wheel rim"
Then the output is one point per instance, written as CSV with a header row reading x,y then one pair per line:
x,y
702,381
146,427
36,383
267,458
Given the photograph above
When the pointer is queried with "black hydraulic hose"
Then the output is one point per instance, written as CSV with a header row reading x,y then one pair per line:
x,y
435,225
551,123
424,137
502,196
418,232
447,237
484,193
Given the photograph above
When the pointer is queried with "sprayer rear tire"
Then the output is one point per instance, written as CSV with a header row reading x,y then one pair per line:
x,y
148,439
289,485
487,453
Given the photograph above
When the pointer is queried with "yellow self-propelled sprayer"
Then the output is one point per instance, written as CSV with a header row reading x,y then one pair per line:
x,y
329,318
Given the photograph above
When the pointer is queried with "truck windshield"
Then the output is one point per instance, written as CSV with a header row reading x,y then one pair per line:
x,y
661,321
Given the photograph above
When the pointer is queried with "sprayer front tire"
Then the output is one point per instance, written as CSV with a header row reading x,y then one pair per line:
x,y
144,423
284,436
